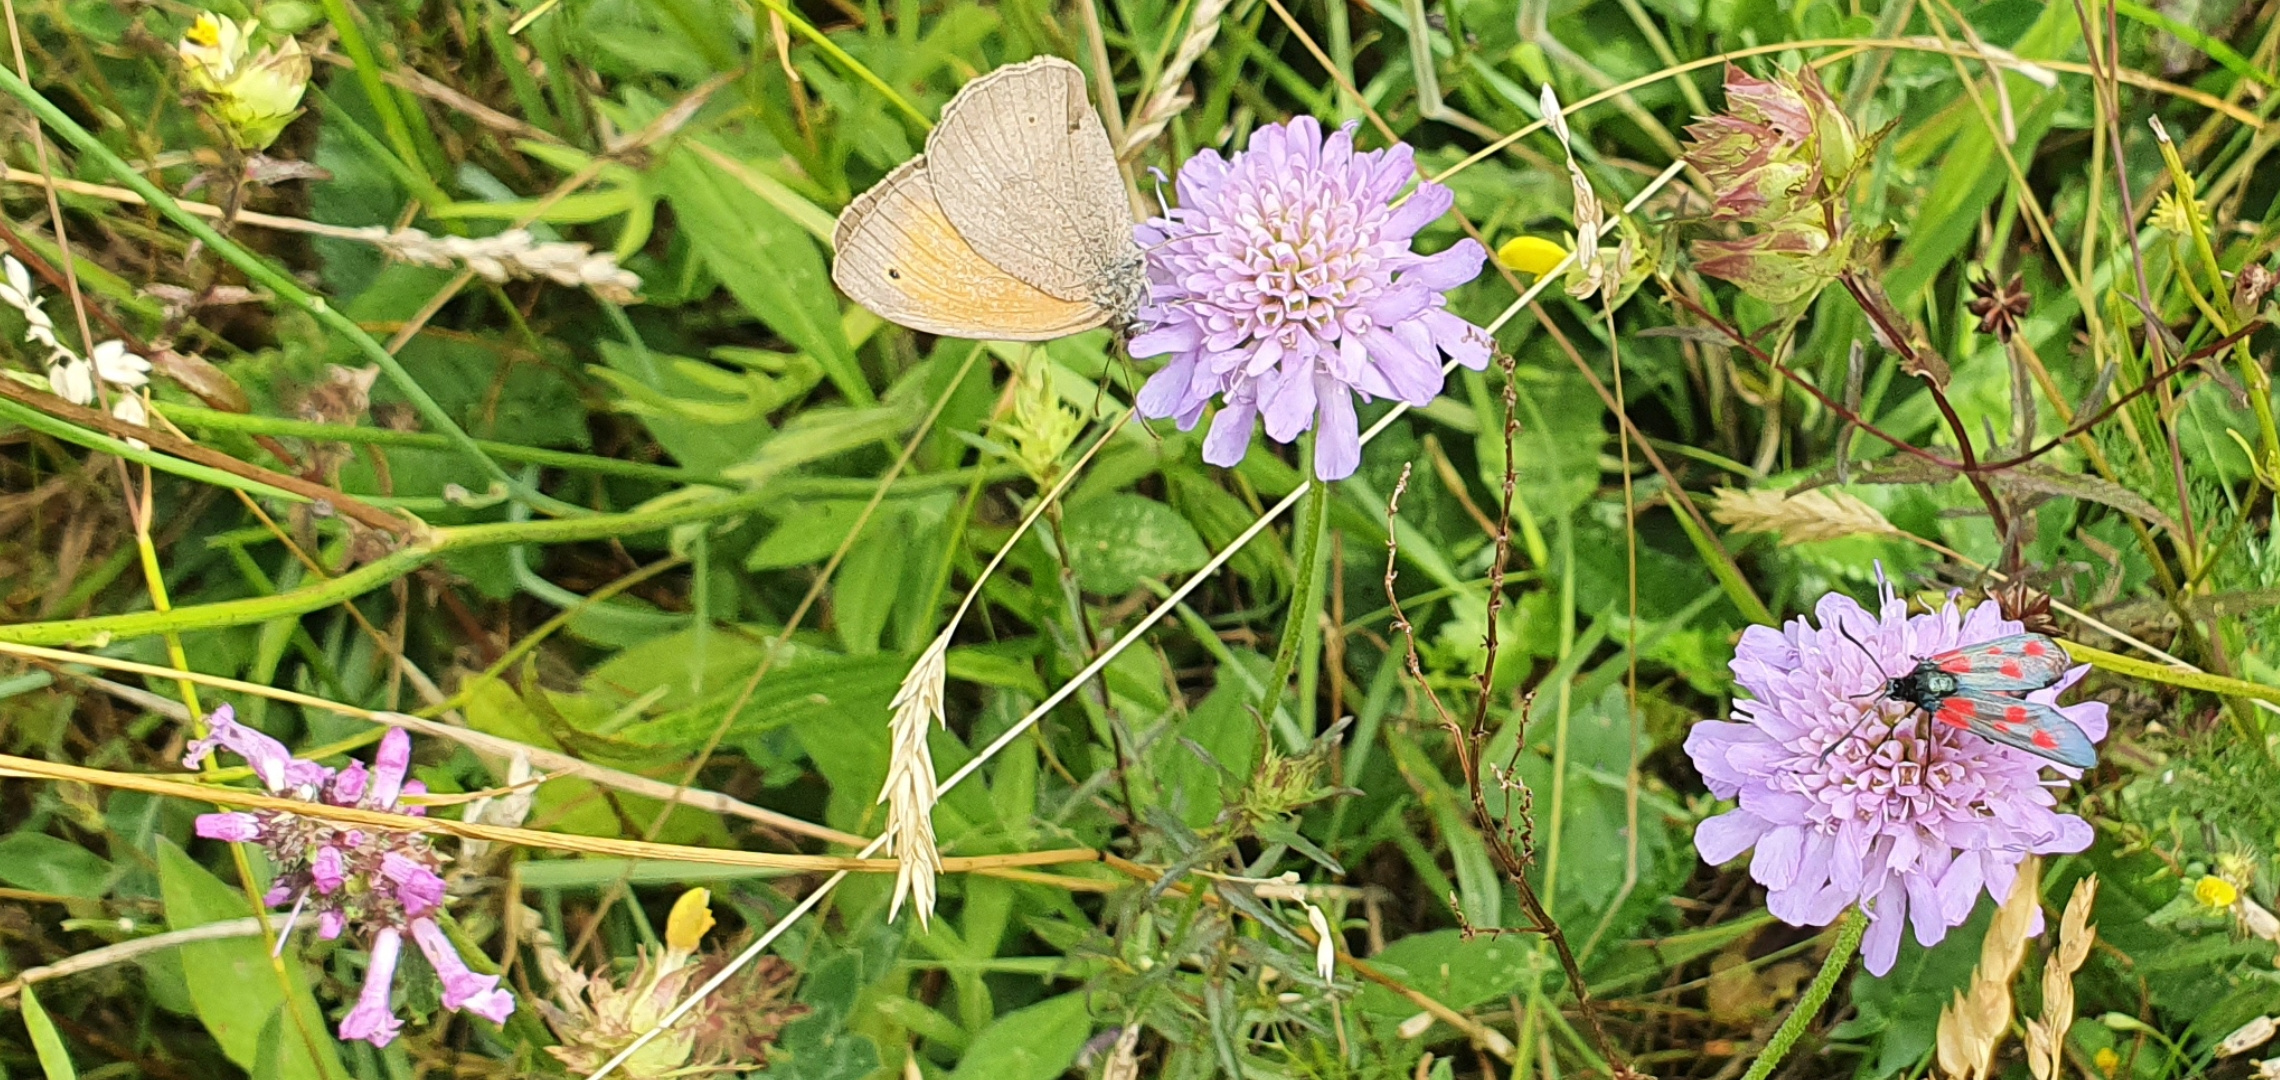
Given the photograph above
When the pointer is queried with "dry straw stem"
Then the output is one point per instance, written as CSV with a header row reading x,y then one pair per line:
x,y
1819,514
94,959
2046,1036
556,764
1972,1026
11,765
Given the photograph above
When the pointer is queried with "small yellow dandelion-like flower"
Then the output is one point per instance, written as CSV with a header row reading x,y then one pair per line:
x,y
2215,892
1530,255
2174,215
2106,1060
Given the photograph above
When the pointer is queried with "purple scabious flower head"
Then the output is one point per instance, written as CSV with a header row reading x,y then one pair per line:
x,y
384,884
1284,284
1851,798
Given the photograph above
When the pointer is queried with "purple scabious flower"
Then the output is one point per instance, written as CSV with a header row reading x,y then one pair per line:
x,y
1284,284
385,884
1850,798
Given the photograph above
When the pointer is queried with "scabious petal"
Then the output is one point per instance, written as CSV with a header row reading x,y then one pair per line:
x,y
372,1020
1275,262
1338,434
1848,798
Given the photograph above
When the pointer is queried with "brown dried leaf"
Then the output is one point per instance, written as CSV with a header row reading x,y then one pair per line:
x,y
2039,479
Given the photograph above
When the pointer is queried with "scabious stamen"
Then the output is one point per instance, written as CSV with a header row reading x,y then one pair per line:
x,y
386,884
1284,284
1850,798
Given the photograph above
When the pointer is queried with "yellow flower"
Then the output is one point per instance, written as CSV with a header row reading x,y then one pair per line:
x,y
2106,1060
252,97
691,917
1530,255
2215,892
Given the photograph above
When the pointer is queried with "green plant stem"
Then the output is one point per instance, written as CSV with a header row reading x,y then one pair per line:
x,y
388,568
1305,549
2174,676
195,416
72,433
1808,1005
277,281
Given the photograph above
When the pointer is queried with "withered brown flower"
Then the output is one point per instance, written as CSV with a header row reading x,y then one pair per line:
x,y
2000,307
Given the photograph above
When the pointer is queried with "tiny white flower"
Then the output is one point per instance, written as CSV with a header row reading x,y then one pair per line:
x,y
118,366
2268,1069
1325,946
73,381
1415,1026
2248,1036
130,408
18,292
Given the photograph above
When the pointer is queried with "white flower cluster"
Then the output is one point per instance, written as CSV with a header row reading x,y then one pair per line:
x,y
515,253
69,374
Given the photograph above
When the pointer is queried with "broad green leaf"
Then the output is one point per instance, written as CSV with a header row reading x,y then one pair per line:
x,y
1117,540
1460,973
235,989
1036,1043
43,863
765,260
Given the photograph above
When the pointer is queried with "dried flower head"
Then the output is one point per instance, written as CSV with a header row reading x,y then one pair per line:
x,y
513,255
1851,798
1817,514
382,884
1973,1024
2026,605
728,1032
1284,285
2000,307
252,96
1779,160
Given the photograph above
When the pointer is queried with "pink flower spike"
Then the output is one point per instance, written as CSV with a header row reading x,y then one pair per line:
x,y
417,887
412,789
348,785
328,870
372,1020
330,924
278,769
236,827
462,989
388,769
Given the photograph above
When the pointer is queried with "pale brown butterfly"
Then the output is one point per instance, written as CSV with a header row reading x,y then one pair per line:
x,y
1012,226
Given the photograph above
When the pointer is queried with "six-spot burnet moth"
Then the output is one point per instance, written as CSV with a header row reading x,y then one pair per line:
x,y
1975,688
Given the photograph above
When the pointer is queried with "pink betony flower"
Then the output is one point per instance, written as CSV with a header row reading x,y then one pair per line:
x,y
1284,284
382,883
1850,798
374,1019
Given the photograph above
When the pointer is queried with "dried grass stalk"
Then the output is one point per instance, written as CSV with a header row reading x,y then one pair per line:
x,y
910,788
1972,1025
1819,514
513,254
2046,1037
1166,99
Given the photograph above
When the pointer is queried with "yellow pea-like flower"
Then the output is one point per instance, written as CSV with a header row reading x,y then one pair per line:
x,y
1530,255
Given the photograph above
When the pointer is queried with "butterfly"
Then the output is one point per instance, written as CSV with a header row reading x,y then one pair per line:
x,y
1976,688
1012,226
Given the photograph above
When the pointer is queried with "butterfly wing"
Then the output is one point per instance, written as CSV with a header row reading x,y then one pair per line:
x,y
2036,728
1024,170
2009,664
900,256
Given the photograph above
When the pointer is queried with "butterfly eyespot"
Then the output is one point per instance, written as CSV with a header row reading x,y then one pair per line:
x,y
894,273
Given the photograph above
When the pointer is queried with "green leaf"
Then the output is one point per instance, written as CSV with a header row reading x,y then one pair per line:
x,y
767,261
55,1062
43,863
1117,540
236,989
1036,1043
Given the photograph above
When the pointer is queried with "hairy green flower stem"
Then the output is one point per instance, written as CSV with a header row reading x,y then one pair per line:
x,y
280,284
1849,931
1305,553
